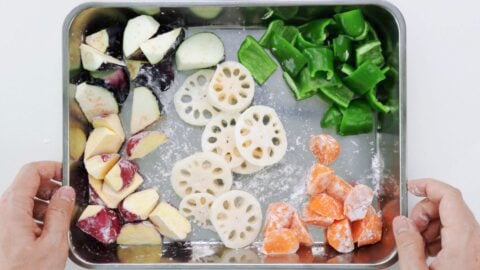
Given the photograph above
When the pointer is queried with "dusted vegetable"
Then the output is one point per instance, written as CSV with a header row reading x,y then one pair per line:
x,y
291,59
365,78
357,119
256,60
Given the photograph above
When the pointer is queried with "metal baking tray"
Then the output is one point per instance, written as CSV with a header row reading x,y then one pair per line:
x,y
376,159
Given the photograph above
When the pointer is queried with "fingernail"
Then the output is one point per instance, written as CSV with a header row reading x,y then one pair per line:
x,y
401,224
67,193
422,220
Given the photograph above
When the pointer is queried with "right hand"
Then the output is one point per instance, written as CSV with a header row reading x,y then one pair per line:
x,y
441,226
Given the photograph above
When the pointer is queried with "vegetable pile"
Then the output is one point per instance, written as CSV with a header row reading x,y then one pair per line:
x,y
339,59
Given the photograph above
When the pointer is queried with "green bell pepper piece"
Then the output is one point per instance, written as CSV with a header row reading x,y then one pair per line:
x,y
320,61
316,31
274,27
347,69
370,51
285,13
339,94
375,103
291,59
342,47
301,43
256,60
352,22
301,93
290,33
357,119
364,78
331,118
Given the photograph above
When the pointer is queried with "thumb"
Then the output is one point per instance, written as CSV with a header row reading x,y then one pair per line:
x,y
410,245
57,218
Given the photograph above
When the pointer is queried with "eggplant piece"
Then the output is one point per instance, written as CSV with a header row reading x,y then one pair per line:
x,y
116,81
201,50
157,48
156,77
206,13
107,40
137,31
93,59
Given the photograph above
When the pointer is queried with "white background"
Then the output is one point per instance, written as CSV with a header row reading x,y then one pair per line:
x,y
443,75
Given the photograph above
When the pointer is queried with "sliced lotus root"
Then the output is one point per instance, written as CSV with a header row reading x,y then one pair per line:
x,y
191,101
240,256
237,217
260,136
219,138
197,206
232,87
201,173
246,168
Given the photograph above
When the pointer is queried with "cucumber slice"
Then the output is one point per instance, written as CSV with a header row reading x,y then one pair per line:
x,y
201,50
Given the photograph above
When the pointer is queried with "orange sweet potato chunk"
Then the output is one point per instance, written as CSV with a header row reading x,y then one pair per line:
x,y
325,148
368,230
301,230
339,236
313,218
339,188
319,179
357,202
279,215
326,206
280,242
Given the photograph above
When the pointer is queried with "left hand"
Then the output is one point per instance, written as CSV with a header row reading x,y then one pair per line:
x,y
23,243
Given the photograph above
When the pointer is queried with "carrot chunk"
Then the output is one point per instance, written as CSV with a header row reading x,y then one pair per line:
x,y
301,230
368,230
279,215
313,218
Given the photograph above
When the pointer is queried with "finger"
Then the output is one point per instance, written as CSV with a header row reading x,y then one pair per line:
x,y
432,232
57,218
39,209
423,212
410,245
38,229
434,247
47,189
452,208
30,177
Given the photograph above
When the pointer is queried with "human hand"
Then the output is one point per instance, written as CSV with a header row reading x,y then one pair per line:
x,y
23,243
441,225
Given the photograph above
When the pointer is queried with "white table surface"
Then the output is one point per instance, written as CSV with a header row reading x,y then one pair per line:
x,y
443,52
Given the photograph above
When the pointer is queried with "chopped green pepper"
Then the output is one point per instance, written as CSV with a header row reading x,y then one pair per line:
x,y
364,78
342,47
375,103
346,69
301,93
291,59
301,43
316,31
320,60
339,94
352,22
331,118
256,60
290,33
370,51
357,118
274,27
306,83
